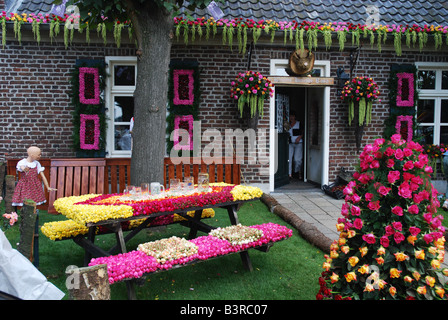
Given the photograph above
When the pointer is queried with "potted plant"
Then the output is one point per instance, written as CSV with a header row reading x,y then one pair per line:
x,y
360,93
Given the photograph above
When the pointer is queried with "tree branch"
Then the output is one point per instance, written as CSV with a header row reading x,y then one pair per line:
x,y
131,8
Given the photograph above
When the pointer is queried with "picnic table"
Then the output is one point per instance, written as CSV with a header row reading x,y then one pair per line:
x,y
111,211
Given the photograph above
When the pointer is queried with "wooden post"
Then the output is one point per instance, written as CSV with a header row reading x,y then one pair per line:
x,y
2,177
10,186
89,283
27,227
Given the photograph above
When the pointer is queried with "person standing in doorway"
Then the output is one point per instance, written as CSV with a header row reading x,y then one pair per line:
x,y
295,147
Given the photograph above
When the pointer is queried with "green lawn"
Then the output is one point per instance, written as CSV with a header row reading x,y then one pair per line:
x,y
289,271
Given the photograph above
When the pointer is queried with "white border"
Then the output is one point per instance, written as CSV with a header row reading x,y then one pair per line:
x,y
276,69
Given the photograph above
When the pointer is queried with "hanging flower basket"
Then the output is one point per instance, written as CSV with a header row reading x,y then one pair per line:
x,y
360,93
252,89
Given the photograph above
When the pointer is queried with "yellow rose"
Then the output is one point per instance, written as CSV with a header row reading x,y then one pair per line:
x,y
430,281
435,264
440,291
351,276
392,291
408,279
364,269
400,256
416,275
353,261
345,249
369,287
334,278
420,254
421,290
381,251
326,266
363,251
395,273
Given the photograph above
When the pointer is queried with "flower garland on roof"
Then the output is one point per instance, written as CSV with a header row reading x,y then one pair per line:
x,y
299,32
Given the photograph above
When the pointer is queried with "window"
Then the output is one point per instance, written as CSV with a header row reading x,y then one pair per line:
x,y
432,106
120,89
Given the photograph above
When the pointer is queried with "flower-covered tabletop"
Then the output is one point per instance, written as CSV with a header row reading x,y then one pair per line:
x,y
94,209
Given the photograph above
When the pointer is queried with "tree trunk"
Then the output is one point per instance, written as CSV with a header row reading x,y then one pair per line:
x,y
150,97
89,283
9,192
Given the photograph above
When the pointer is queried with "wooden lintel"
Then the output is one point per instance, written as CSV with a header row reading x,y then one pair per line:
x,y
305,81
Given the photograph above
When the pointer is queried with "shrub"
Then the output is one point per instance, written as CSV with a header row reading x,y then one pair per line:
x,y
391,242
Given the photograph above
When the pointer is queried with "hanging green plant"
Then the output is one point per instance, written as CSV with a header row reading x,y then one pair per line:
x,y
118,27
3,32
362,91
251,89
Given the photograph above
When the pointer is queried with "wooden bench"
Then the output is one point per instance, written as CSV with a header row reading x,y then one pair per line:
x,y
78,176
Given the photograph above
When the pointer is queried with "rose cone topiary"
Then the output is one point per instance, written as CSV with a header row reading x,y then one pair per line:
x,y
391,242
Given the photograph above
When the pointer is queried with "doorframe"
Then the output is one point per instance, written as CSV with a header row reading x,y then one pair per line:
x,y
277,68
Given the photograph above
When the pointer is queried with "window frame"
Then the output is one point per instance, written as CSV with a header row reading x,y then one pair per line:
x,y
438,94
110,93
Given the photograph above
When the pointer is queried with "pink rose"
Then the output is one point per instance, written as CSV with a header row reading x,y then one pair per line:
x,y
396,139
407,152
397,225
428,238
408,165
383,190
369,196
374,205
398,237
398,154
393,176
404,190
358,223
369,238
413,209
397,210
414,231
384,241
389,231
356,211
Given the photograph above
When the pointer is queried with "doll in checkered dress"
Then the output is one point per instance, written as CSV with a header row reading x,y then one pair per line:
x,y
29,185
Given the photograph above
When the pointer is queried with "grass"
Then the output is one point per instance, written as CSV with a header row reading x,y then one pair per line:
x,y
289,271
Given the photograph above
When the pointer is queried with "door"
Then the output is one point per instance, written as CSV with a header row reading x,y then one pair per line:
x,y
314,143
281,176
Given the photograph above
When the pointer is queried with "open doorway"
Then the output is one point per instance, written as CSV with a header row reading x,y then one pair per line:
x,y
306,103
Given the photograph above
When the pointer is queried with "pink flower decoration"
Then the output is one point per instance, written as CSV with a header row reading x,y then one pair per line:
x,y
178,98
85,87
177,121
408,123
405,99
96,134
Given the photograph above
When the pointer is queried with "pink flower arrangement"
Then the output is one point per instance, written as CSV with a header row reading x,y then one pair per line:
x,y
89,86
89,132
136,263
389,222
183,86
12,217
404,127
178,120
405,90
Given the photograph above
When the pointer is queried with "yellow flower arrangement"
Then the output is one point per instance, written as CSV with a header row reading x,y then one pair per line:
x,y
58,230
87,213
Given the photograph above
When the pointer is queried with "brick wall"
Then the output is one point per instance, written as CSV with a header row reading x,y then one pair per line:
x,y
34,94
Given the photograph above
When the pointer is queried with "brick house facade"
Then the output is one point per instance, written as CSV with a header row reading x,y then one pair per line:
x,y
35,93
